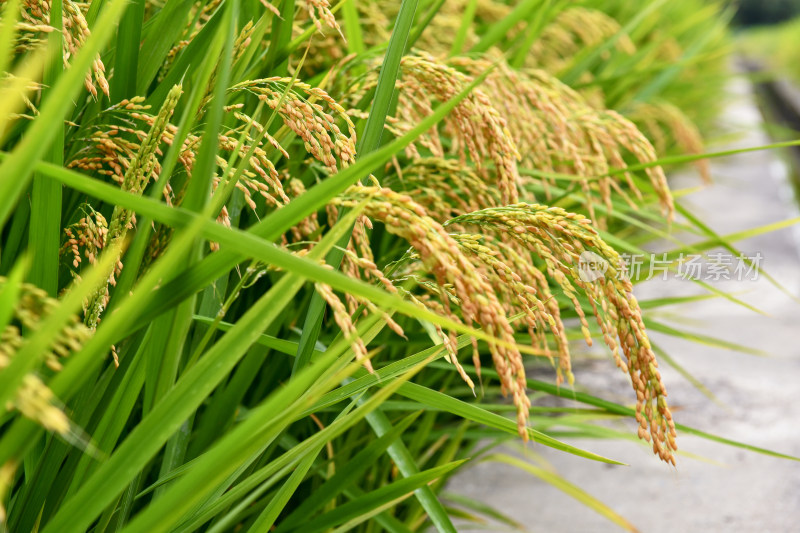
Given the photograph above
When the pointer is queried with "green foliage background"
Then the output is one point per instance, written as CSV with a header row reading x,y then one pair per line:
x,y
213,386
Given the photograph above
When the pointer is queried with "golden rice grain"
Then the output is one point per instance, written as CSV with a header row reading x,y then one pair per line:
x,y
33,399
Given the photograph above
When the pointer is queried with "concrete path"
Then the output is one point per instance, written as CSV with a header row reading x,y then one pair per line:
x,y
759,401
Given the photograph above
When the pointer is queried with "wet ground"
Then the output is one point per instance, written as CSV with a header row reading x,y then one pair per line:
x,y
758,402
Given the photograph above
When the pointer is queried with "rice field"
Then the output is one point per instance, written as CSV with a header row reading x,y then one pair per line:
x,y
289,265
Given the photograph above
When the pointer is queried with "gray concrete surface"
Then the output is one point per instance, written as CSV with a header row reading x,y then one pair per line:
x,y
734,490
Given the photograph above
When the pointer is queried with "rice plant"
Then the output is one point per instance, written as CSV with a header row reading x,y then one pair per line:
x,y
284,265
